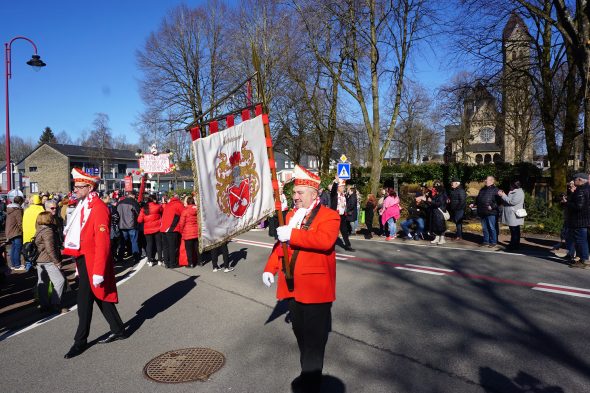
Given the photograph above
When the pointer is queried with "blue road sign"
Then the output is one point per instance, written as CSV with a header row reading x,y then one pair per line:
x,y
343,170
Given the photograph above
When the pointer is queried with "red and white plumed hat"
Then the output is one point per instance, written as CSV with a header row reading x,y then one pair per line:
x,y
82,177
303,177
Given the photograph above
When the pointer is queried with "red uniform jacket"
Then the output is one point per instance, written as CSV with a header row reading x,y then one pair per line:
x,y
95,246
173,208
315,270
189,226
152,220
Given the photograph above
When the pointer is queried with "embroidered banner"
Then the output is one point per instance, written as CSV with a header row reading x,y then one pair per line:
x,y
234,183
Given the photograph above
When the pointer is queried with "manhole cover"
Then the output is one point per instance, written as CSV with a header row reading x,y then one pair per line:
x,y
184,365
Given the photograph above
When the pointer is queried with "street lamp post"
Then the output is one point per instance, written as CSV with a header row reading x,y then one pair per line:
x,y
34,62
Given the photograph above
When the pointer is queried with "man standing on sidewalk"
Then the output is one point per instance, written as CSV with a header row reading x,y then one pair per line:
x,y
578,219
311,233
487,210
128,210
338,203
87,240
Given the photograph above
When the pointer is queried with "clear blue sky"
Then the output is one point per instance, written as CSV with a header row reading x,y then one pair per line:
x,y
89,48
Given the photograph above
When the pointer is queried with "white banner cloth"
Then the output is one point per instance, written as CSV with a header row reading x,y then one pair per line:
x,y
234,182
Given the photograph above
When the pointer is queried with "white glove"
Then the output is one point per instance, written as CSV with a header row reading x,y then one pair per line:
x,y
284,233
268,278
97,280
297,217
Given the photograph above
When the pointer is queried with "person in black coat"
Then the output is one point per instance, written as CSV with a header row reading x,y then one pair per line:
x,y
456,202
487,203
578,219
351,209
438,203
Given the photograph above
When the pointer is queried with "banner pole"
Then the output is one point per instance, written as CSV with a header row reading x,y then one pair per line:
x,y
277,195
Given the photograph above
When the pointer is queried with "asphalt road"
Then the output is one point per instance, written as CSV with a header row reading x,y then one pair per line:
x,y
408,318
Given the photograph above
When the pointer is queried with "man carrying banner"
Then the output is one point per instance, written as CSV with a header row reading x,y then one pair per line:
x,y
311,232
87,240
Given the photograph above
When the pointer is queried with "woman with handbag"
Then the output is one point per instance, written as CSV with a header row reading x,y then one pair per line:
x,y
49,263
513,213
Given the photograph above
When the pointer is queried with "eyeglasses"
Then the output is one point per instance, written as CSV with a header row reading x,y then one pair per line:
x,y
52,208
81,187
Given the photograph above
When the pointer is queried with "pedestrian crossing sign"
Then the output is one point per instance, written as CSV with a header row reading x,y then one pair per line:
x,y
343,170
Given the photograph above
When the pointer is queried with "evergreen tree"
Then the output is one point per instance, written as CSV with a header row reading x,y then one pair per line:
x,y
47,136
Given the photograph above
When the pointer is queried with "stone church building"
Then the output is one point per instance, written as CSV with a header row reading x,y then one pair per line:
x,y
489,133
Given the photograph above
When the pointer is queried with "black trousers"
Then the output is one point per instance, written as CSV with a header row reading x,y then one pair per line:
x,y
153,244
171,244
215,255
514,236
86,301
311,324
344,228
192,252
369,221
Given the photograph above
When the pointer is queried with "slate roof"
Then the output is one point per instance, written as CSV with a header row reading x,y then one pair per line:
x,y
88,151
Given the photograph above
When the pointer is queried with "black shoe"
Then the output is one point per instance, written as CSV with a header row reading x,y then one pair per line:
x,y
75,351
113,337
189,266
349,249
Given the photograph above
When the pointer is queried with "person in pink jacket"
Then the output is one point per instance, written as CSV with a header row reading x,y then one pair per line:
x,y
390,213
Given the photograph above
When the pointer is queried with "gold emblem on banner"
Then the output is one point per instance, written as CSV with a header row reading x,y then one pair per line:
x,y
238,183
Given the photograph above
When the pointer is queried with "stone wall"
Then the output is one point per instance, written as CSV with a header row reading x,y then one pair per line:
x,y
49,169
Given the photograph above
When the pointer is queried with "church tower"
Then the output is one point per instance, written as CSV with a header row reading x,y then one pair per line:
x,y
517,138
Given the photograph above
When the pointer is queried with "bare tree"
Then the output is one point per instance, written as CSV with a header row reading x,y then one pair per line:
x,y
378,38
19,148
101,141
64,138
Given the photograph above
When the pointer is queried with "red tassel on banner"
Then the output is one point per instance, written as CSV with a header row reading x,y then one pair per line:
x,y
278,206
246,114
213,127
229,121
265,119
195,133
258,110
272,164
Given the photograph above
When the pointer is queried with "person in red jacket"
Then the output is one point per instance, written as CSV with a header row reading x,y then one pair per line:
x,y
151,218
87,239
171,231
189,228
311,233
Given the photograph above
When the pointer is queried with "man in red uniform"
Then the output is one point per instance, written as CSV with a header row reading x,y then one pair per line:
x,y
311,233
87,239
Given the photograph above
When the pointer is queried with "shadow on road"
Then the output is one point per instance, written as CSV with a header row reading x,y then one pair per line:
x,y
495,382
236,256
160,302
282,307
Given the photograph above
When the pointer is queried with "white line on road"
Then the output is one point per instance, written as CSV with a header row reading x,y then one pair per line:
x,y
562,290
339,256
431,268
420,270
52,317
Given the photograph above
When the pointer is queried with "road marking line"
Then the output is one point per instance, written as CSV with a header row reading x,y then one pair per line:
x,y
12,333
420,270
562,289
436,269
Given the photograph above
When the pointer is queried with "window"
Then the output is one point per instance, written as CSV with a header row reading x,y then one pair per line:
x,y
34,187
32,169
479,158
487,159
